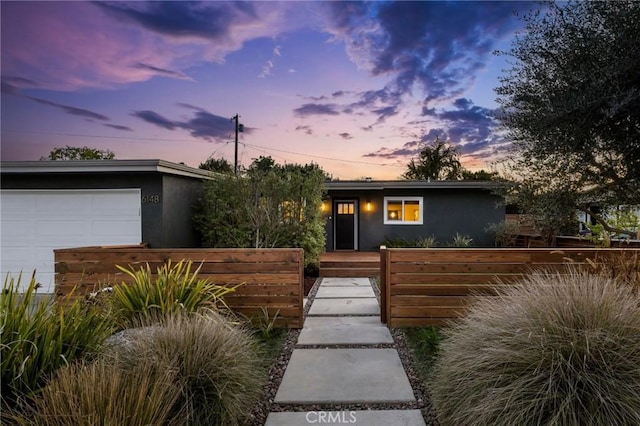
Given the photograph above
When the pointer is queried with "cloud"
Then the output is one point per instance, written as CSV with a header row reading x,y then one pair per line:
x,y
472,128
407,150
118,127
307,129
163,71
207,20
316,109
435,46
155,118
266,69
75,45
345,135
202,125
81,112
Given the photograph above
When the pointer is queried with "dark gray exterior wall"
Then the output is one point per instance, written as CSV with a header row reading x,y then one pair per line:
x,y
446,212
179,197
165,223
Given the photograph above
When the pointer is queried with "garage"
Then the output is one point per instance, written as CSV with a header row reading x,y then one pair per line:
x,y
35,222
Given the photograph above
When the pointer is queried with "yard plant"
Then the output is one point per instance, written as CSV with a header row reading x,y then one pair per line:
x,y
175,288
217,365
556,349
39,336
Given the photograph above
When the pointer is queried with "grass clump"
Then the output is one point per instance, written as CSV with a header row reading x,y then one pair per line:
x,y
554,350
39,336
175,288
424,343
104,393
217,365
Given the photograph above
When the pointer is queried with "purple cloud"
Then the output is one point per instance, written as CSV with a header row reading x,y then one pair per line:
x,y
155,118
81,112
163,71
207,20
118,127
316,109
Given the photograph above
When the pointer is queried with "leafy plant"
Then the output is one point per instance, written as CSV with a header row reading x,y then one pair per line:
x,y
217,365
461,241
268,206
426,242
40,336
104,393
265,323
556,349
175,289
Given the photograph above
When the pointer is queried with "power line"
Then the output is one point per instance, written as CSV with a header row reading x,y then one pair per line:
x,y
341,160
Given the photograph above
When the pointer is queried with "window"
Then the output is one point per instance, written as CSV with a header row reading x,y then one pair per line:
x,y
403,210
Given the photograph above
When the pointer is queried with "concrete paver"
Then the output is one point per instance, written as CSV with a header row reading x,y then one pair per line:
x,y
344,376
363,418
354,306
342,292
344,331
345,282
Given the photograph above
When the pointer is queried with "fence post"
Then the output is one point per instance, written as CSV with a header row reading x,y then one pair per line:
x,y
383,284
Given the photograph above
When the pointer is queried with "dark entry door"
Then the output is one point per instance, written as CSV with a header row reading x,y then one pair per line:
x,y
345,225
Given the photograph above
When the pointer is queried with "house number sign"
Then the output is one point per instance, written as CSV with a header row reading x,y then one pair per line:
x,y
150,199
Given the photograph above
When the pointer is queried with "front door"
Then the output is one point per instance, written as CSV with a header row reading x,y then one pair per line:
x,y
346,229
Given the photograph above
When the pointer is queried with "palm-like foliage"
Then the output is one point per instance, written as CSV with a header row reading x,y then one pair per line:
x,y
438,161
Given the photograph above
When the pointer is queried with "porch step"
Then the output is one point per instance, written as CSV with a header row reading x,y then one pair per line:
x,y
349,272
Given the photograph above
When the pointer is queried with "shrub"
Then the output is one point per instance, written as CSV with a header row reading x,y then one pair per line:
x,y
505,234
217,364
104,393
38,337
175,289
553,350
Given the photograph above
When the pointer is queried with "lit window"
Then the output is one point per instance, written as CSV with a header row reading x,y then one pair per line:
x,y
403,210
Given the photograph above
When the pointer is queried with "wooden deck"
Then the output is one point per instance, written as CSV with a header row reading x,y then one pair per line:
x,y
350,264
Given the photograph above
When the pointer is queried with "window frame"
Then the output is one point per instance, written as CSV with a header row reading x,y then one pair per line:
x,y
396,199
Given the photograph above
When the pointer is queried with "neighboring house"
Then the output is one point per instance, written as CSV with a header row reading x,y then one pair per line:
x,y
46,205
361,215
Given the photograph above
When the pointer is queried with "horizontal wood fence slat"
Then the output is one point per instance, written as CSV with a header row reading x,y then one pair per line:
x,y
421,287
270,279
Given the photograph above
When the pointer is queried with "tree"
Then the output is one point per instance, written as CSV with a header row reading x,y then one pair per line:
x,y
571,105
479,175
79,153
268,206
218,165
438,161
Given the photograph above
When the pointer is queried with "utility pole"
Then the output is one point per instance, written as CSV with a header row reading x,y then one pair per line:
x,y
239,128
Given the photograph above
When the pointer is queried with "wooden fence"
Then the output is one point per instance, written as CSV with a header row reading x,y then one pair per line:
x,y
270,278
420,287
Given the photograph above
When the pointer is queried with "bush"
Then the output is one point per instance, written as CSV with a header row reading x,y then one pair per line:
x,y
553,350
38,337
103,394
505,234
175,289
217,364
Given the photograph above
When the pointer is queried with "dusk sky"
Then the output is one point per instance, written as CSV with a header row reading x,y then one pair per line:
x,y
352,86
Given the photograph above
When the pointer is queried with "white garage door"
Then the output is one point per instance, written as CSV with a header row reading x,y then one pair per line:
x,y
35,222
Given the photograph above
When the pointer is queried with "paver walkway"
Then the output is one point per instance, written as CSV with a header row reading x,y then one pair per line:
x,y
325,368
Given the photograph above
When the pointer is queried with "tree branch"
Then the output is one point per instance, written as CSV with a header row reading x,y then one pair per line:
x,y
605,225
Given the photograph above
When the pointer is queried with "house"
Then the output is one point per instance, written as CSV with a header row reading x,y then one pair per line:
x,y
361,215
47,205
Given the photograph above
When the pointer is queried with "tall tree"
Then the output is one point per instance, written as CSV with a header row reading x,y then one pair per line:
x,y
79,153
437,161
219,165
571,103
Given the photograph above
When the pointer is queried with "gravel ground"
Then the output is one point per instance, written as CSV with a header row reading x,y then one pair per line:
x,y
266,404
